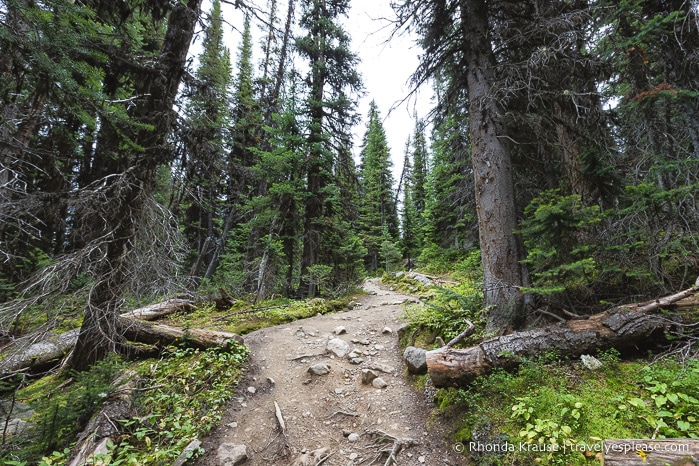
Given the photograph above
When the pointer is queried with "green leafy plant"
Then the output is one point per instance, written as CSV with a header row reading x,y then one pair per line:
x,y
665,407
185,398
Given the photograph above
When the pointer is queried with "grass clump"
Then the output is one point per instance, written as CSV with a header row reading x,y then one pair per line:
x,y
244,317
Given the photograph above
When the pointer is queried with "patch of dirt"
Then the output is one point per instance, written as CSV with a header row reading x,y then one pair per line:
x,y
331,419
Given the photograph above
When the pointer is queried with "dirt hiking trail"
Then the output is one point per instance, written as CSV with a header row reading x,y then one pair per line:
x,y
283,415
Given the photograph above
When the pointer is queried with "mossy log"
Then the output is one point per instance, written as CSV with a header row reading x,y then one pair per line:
x,y
665,452
165,335
623,327
40,354
52,348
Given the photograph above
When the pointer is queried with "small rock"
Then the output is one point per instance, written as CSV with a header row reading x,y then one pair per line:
x,y
187,452
386,330
353,437
340,329
230,454
416,360
378,382
252,390
232,425
319,369
311,458
356,361
385,368
591,362
338,347
379,347
354,354
339,391
368,376
364,342
421,459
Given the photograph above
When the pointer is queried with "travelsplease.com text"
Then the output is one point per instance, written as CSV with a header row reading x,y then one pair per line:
x,y
619,447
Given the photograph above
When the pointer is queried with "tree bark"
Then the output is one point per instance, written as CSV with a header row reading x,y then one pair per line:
x,y
503,271
623,327
40,354
673,452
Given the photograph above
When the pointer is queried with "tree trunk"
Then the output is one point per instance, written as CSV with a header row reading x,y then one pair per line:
x,y
623,327
503,271
673,452
55,347
99,334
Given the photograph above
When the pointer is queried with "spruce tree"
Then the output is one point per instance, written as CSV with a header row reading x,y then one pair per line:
x,y
332,80
411,235
379,216
244,136
204,145
415,178
449,215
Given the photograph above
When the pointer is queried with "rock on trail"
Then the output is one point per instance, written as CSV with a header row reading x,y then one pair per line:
x,y
330,390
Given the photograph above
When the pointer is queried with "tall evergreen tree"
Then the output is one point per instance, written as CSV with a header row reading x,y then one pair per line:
x,y
204,146
411,236
420,161
379,215
415,197
331,81
245,135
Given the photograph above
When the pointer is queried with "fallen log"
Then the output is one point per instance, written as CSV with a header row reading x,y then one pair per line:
x,y
621,327
161,309
636,452
103,426
54,347
164,335
42,353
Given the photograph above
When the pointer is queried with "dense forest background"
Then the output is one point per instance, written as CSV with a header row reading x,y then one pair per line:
x,y
564,146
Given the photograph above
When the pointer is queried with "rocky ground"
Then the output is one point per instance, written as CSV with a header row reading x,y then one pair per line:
x,y
331,390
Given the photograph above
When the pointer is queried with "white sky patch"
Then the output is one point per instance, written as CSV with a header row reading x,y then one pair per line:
x,y
387,62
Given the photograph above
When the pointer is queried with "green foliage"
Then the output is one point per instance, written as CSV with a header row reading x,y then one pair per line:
x,y
184,398
666,405
564,411
449,214
378,211
63,407
414,179
320,276
445,313
555,231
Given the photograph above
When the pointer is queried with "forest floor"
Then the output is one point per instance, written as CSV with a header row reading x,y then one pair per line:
x,y
283,415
